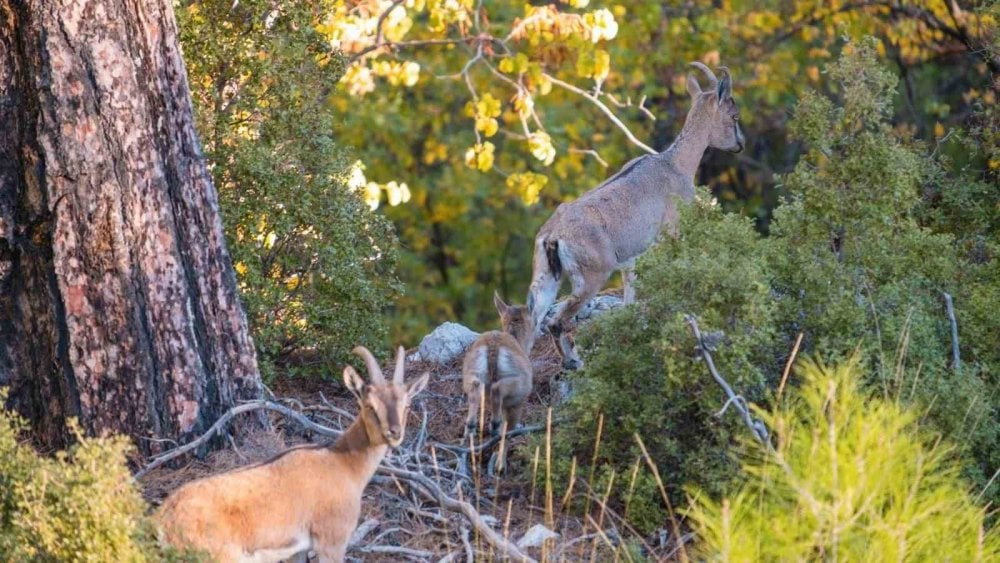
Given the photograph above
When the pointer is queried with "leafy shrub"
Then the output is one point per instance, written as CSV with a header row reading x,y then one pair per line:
x,y
836,488
854,261
80,505
641,370
315,265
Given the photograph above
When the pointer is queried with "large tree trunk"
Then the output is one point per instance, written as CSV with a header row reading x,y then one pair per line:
x,y
118,303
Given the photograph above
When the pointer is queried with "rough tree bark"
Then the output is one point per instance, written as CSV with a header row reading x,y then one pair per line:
x,y
118,302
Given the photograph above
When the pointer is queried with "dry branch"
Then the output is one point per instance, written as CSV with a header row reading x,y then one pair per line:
x,y
756,427
472,515
224,420
956,360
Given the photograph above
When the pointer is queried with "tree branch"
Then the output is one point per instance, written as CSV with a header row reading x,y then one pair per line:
x,y
956,360
604,108
756,427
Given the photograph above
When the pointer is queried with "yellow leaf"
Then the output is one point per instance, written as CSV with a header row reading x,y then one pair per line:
x,y
373,194
602,65
240,268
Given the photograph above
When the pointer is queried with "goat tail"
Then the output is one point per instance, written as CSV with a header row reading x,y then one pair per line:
x,y
552,256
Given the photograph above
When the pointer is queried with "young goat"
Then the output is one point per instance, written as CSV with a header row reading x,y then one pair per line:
x,y
609,226
498,363
305,498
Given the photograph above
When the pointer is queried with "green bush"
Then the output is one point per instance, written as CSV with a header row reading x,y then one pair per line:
x,y
641,367
852,478
315,265
857,260
80,505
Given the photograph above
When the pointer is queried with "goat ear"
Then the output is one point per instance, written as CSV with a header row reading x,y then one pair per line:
x,y
354,383
499,304
725,89
417,386
692,86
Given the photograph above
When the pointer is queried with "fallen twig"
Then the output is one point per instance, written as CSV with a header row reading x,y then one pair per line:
x,y
224,419
491,442
469,554
471,514
362,531
394,550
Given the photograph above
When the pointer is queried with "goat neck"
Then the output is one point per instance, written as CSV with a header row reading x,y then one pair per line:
x,y
685,153
362,445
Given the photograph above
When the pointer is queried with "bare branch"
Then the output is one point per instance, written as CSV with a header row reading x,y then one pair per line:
x,y
224,420
956,360
393,550
604,108
505,547
592,153
788,364
756,427
628,103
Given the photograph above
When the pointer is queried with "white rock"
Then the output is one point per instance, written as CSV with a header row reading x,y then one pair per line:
x,y
446,343
594,308
536,536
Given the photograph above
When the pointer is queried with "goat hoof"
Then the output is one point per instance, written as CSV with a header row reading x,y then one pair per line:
x,y
571,364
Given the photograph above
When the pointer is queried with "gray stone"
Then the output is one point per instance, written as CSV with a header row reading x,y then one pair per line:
x,y
445,343
536,536
594,308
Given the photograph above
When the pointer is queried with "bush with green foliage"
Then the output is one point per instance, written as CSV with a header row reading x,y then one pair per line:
x,y
851,478
80,505
641,360
315,265
853,261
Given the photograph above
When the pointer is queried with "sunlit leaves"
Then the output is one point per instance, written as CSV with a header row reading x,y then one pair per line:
x,y
527,186
594,64
485,110
602,25
541,147
480,156
359,80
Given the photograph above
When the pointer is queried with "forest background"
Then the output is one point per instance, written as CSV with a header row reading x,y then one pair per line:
x,y
464,124
870,186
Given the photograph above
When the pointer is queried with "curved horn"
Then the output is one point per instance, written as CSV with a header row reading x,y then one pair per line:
x,y
374,371
712,80
400,359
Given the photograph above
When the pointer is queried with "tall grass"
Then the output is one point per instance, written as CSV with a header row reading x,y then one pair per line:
x,y
851,478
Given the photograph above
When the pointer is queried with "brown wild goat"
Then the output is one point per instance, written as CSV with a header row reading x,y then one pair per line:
x,y
305,498
605,229
497,369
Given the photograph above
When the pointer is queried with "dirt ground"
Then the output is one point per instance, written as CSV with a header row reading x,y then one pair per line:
x,y
404,519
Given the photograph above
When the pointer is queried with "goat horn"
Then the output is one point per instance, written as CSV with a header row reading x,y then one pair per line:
x,y
712,80
400,359
374,371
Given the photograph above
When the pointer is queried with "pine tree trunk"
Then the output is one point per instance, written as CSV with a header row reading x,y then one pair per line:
x,y
118,302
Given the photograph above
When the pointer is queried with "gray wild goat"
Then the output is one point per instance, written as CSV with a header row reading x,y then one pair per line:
x,y
497,371
605,229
